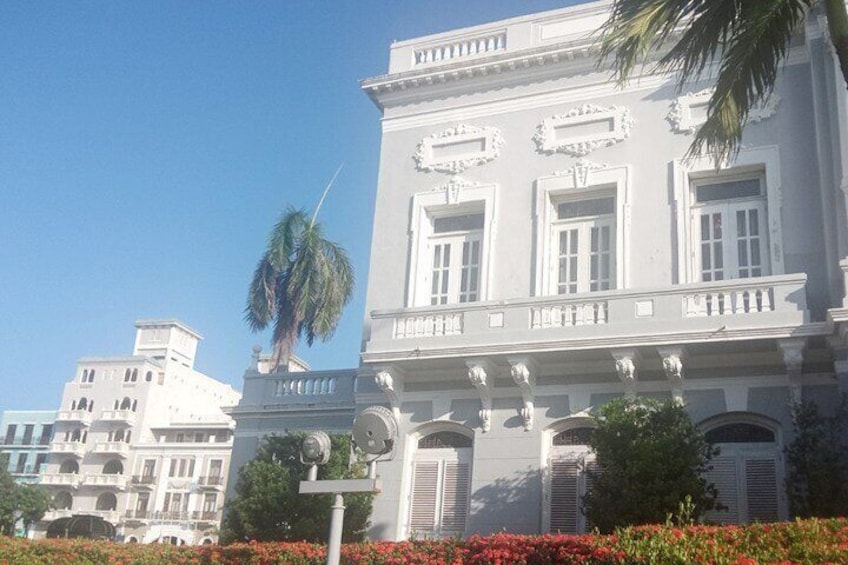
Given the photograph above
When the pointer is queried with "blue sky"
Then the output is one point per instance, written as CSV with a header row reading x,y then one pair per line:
x,y
146,149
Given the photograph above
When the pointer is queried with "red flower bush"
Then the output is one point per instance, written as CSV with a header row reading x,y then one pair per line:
x,y
792,543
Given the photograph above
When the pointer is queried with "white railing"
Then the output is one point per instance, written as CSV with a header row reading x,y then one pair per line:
x,y
104,480
60,479
112,448
83,416
72,447
111,516
460,48
51,515
305,386
123,416
569,314
428,325
718,302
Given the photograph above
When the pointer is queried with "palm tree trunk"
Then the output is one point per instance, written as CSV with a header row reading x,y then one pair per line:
x,y
837,24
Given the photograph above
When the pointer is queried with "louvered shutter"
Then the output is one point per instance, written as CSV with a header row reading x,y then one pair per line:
x,y
591,470
723,475
454,497
761,483
425,483
564,495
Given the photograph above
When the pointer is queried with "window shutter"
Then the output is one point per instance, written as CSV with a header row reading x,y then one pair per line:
x,y
425,482
454,497
564,495
761,483
723,475
591,470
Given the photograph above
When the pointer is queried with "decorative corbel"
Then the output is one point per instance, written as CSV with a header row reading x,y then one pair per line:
x,y
390,380
672,359
524,371
793,358
625,366
481,375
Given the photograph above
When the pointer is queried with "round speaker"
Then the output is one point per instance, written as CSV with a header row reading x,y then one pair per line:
x,y
315,449
375,430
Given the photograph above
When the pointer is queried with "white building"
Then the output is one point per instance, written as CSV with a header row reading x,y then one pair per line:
x,y
142,442
540,247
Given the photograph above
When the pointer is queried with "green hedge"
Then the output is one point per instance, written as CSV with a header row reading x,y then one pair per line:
x,y
805,541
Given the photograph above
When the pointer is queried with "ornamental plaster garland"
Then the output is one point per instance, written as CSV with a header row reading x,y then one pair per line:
x,y
682,121
579,145
492,143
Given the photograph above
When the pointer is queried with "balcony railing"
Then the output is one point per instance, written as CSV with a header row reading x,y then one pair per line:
x,y
138,515
76,448
112,516
211,482
120,416
206,516
60,479
105,480
460,48
143,481
590,320
51,515
112,448
81,416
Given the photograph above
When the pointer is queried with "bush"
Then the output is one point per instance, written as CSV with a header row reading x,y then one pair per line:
x,y
651,457
799,543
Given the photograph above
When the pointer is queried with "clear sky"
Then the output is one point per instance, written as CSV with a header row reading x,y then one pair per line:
x,y
146,149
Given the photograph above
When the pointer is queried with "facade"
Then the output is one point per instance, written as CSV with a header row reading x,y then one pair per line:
x,y
25,442
142,442
291,399
541,246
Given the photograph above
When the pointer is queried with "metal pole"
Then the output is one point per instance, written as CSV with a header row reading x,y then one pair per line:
x,y
334,547
313,473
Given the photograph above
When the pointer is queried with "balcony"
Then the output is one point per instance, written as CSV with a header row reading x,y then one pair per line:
x,y
102,480
139,516
51,515
118,416
75,448
71,480
74,416
212,516
118,448
748,308
211,483
143,481
111,516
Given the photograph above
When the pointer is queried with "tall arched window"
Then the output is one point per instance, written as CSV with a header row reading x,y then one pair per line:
x,y
106,501
134,376
69,466
126,403
148,376
85,375
569,477
113,467
747,472
91,375
76,435
441,481
127,374
63,500
82,404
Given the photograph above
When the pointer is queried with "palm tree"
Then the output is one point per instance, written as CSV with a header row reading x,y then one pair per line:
x,y
747,38
302,283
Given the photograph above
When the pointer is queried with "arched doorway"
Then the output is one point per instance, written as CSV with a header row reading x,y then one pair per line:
x,y
69,466
441,480
113,467
747,471
568,478
63,500
106,501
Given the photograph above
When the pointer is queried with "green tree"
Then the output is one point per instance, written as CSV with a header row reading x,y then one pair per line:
x,y
817,457
28,503
33,501
267,507
302,283
747,40
651,457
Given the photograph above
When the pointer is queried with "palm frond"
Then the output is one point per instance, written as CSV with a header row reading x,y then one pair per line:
x,y
283,239
748,39
261,296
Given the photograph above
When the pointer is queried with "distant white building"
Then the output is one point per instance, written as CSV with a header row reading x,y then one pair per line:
x,y
540,246
142,442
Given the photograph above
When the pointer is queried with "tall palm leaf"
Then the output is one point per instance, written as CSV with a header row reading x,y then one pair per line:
x,y
302,283
746,39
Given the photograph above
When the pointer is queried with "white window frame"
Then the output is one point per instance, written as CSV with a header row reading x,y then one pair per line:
x,y
581,453
742,452
411,455
763,161
584,226
553,189
427,206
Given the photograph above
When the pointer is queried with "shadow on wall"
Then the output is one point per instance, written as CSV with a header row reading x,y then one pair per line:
x,y
510,504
